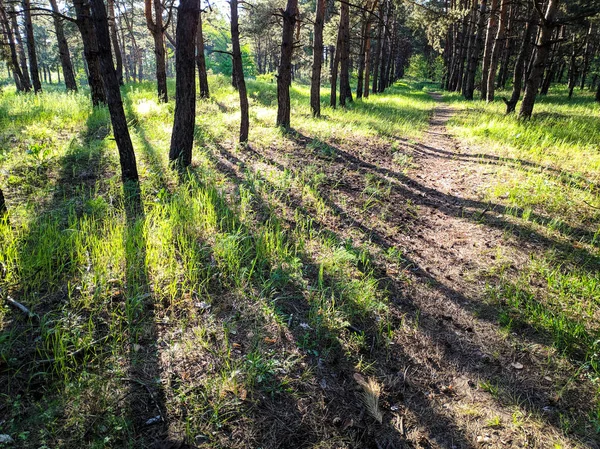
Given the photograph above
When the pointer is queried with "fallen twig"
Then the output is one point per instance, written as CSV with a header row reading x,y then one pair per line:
x,y
20,306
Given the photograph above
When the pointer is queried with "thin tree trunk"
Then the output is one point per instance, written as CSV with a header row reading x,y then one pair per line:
x,y
367,57
587,55
182,138
26,80
63,50
488,48
201,60
114,38
498,43
90,51
33,62
474,57
520,63
239,72
378,51
155,25
113,93
315,80
361,57
543,48
284,78
14,59
335,67
344,51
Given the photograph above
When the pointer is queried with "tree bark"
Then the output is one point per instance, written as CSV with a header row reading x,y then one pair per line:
x,y
488,48
543,48
368,56
284,78
114,38
14,59
90,50
113,93
345,92
474,56
520,63
63,50
201,60
182,138
239,72
315,80
155,25
33,62
26,80
498,43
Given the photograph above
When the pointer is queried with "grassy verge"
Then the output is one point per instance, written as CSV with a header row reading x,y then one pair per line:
x,y
546,171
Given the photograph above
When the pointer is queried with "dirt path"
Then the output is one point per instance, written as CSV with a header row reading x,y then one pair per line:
x,y
452,375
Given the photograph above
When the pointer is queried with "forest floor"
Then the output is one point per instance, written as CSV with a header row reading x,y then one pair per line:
x,y
384,277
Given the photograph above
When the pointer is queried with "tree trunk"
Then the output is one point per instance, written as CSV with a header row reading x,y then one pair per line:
x,y
114,38
182,138
586,55
335,67
90,50
498,44
3,208
201,60
63,50
378,51
488,48
315,80
345,92
284,78
520,63
474,57
155,25
113,93
14,59
368,56
239,72
26,80
33,62
543,48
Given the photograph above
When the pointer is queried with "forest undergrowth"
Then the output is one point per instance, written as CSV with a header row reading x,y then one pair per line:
x,y
265,298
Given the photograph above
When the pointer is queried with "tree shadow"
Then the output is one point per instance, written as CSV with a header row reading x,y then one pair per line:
x,y
471,358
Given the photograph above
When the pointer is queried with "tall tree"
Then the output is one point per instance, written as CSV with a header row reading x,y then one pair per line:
x,y
488,47
201,60
33,60
474,54
182,137
22,86
157,29
26,80
315,80
239,72
520,62
284,78
114,39
63,49
539,63
90,50
113,93
344,50
498,43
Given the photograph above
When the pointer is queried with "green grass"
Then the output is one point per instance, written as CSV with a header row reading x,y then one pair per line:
x,y
546,171
205,275
226,298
